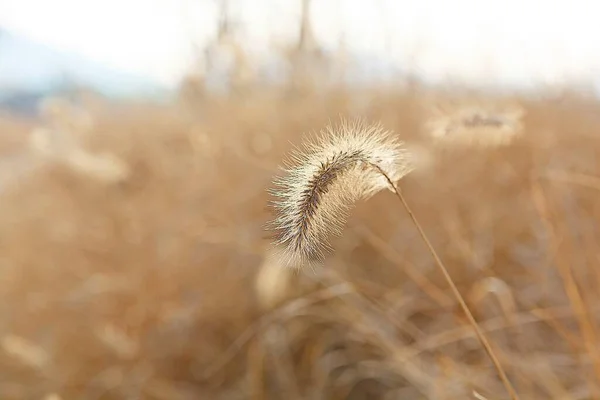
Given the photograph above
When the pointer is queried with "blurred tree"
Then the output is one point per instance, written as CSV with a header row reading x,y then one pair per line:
x,y
224,27
305,39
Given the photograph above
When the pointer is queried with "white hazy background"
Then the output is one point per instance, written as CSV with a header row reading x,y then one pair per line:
x,y
512,43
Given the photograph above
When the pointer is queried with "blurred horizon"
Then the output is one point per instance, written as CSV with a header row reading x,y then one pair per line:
x,y
134,48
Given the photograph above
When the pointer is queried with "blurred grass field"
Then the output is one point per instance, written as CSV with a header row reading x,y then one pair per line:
x,y
155,283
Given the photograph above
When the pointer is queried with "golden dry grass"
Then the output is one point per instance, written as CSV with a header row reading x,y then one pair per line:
x,y
160,286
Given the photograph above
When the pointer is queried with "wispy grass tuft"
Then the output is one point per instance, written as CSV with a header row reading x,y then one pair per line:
x,y
475,125
326,177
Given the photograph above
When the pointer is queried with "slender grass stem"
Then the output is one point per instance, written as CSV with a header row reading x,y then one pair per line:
x,y
480,335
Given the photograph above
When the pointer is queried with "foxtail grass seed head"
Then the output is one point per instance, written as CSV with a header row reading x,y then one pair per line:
x,y
41,143
104,167
325,178
50,143
23,350
56,146
475,125
118,341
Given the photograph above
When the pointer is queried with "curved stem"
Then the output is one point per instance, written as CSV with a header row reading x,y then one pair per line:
x,y
480,335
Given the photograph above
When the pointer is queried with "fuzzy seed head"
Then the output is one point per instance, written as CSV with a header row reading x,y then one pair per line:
x,y
325,178
484,126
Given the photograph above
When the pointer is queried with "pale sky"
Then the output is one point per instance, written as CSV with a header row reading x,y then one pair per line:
x,y
509,41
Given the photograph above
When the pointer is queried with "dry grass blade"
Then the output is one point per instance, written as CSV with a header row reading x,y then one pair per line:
x,y
290,308
576,178
500,290
580,308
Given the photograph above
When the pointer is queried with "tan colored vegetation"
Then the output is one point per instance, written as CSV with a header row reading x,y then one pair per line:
x,y
160,284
